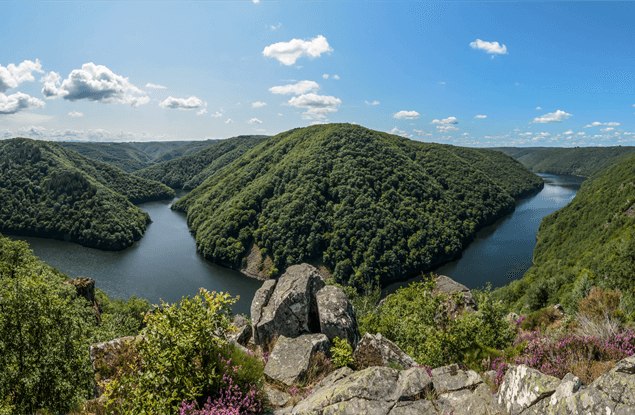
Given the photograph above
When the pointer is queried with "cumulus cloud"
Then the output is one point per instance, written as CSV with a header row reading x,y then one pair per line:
x,y
18,102
570,132
317,106
229,121
75,114
372,103
325,76
538,108
481,116
288,52
153,86
93,83
582,133
258,104
465,134
607,129
12,76
300,88
336,77
190,103
217,115
408,115
489,47
397,131
446,121
32,131
254,121
551,117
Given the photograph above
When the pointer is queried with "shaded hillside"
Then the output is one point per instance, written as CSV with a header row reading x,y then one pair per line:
x,y
578,161
189,171
185,150
591,241
369,205
155,149
517,152
52,192
121,155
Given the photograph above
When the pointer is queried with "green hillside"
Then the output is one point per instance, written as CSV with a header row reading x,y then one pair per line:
x,y
366,204
155,149
578,161
52,192
187,172
591,241
185,150
121,155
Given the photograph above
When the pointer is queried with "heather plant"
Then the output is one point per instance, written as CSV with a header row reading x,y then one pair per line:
x,y
342,353
179,357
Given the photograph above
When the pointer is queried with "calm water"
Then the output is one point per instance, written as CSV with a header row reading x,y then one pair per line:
x,y
503,251
164,263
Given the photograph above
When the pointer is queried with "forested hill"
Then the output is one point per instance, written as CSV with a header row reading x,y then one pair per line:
x,y
189,171
591,241
578,161
49,191
366,204
122,155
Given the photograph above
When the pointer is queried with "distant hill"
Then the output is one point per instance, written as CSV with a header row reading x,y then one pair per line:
x,y
185,150
156,149
53,192
591,241
578,161
122,155
365,204
189,171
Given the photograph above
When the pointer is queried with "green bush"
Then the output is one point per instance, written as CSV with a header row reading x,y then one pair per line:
x,y
180,357
540,319
341,353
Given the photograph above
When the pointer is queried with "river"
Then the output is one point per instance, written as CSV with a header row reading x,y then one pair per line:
x,y
164,263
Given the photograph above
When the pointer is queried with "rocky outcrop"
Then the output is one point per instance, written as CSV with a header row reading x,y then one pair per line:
x,y
85,287
290,359
379,351
446,285
106,357
337,315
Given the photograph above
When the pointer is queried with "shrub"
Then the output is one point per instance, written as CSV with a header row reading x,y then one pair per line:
x,y
600,302
342,353
541,319
179,357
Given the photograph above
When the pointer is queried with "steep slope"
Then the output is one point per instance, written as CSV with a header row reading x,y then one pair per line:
x,y
369,205
186,150
155,149
52,192
121,155
590,241
189,171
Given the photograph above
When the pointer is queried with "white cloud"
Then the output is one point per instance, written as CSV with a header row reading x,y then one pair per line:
x,y
397,131
441,83
93,83
280,114
607,129
201,111
272,27
445,128
336,77
481,116
254,121
372,103
317,106
538,108
583,133
32,131
325,76
409,115
256,1
570,132
551,117
18,102
12,76
217,115
75,114
258,104
300,88
612,124
190,103
229,121
288,52
465,134
416,131
489,47
597,124
153,86
446,121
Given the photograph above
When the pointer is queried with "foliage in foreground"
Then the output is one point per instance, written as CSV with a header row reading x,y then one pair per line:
x,y
184,356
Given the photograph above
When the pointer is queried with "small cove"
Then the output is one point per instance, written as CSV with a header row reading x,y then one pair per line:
x,y
164,263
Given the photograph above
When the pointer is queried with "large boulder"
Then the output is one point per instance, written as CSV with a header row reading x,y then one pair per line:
x,y
291,311
291,357
242,335
446,285
522,387
337,315
450,378
379,351
261,299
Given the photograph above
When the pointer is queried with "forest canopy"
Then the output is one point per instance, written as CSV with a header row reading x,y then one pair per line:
x,y
368,205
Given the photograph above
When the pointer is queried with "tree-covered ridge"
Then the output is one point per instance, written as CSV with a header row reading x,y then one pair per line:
x,y
591,241
155,149
187,172
185,150
121,155
46,192
578,161
370,205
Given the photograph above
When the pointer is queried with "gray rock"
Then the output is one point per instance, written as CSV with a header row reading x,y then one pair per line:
x,y
290,358
379,351
337,315
420,407
333,377
619,386
451,378
489,377
522,387
292,310
446,285
276,397
414,383
452,402
261,298
243,332
356,406
626,365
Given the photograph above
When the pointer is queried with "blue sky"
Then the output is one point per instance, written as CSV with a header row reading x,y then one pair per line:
x,y
465,73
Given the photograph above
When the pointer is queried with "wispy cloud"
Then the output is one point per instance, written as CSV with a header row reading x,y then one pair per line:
x,y
299,88
372,103
154,86
258,104
481,116
75,114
